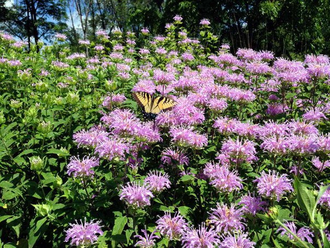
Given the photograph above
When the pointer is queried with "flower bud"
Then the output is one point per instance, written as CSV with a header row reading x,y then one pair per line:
x,y
36,163
15,104
72,98
45,127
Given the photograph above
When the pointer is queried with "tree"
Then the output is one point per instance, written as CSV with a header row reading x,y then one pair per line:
x,y
35,19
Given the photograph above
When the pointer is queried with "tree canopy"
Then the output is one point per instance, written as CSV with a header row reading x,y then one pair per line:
x,y
287,27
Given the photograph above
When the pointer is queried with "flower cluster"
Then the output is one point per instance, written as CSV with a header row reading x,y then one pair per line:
x,y
84,234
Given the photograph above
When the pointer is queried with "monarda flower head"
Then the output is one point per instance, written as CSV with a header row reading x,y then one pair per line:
x,y
202,237
157,181
135,195
304,233
171,227
314,115
122,122
146,241
325,199
82,168
238,240
320,165
114,148
172,156
92,137
273,185
148,133
252,205
186,113
239,151
222,178
84,234
110,101
186,137
226,219
302,128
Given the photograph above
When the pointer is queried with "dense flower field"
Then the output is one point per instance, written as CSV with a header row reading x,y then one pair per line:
x,y
241,160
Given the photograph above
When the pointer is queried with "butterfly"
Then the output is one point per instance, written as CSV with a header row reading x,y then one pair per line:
x,y
151,105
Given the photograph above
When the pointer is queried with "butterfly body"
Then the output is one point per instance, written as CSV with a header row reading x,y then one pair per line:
x,y
151,105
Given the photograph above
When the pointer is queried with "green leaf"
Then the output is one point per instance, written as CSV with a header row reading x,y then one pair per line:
x,y
9,245
36,229
4,217
325,240
15,223
322,190
305,198
119,225
186,178
184,210
276,243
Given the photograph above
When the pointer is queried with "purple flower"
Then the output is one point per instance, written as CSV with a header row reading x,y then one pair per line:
x,y
318,70
239,95
325,199
314,115
205,22
14,63
320,165
247,54
7,37
84,42
61,37
186,113
257,67
148,133
60,65
222,178
113,148
252,205
145,85
187,56
239,151
304,233
91,138
148,241
160,50
302,128
217,104
135,195
102,34
162,77
171,227
82,168
113,100
226,219
273,185
170,156
177,18
202,237
239,241
316,59
157,181
186,137
84,234
122,122
276,145
145,31
276,109
301,145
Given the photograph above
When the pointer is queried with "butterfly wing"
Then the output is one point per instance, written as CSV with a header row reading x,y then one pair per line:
x,y
145,100
161,103
153,106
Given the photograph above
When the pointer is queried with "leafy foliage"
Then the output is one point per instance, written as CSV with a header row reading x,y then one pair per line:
x,y
243,155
